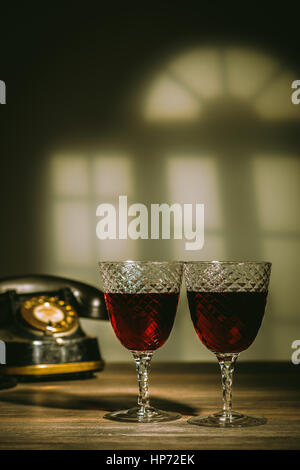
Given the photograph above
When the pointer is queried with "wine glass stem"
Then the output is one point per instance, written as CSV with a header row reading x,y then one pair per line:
x,y
227,363
142,361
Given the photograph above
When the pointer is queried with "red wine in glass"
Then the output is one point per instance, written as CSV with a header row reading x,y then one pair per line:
x,y
143,321
227,322
141,298
227,301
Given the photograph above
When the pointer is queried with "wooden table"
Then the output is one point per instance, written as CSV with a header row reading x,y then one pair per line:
x,y
69,414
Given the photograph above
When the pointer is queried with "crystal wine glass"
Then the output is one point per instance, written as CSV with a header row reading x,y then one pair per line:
x,y
227,303
141,298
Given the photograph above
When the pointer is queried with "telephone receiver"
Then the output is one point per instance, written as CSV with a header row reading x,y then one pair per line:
x,y
39,325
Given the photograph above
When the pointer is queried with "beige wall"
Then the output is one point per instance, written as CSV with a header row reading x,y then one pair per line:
x,y
208,125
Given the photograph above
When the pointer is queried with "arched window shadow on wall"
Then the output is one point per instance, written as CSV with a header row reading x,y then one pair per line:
x,y
215,126
78,183
228,128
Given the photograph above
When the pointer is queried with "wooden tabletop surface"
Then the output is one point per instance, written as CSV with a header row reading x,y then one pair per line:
x,y
69,414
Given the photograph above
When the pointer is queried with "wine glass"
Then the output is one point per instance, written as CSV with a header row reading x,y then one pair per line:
x,y
141,298
227,303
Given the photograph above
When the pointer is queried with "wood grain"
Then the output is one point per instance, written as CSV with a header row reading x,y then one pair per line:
x,y
69,414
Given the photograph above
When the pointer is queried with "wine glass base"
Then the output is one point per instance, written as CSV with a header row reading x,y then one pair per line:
x,y
150,415
219,420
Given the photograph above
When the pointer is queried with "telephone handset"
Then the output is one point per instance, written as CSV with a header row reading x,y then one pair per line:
x,y
39,323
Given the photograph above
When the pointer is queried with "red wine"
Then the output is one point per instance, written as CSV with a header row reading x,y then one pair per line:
x,y
227,321
142,322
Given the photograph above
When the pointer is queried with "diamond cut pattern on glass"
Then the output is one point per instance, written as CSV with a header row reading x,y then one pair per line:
x,y
227,276
141,277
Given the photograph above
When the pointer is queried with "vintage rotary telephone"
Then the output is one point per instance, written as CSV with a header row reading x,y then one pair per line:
x,y
39,324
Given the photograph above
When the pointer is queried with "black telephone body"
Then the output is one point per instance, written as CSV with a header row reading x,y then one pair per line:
x,y
39,324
